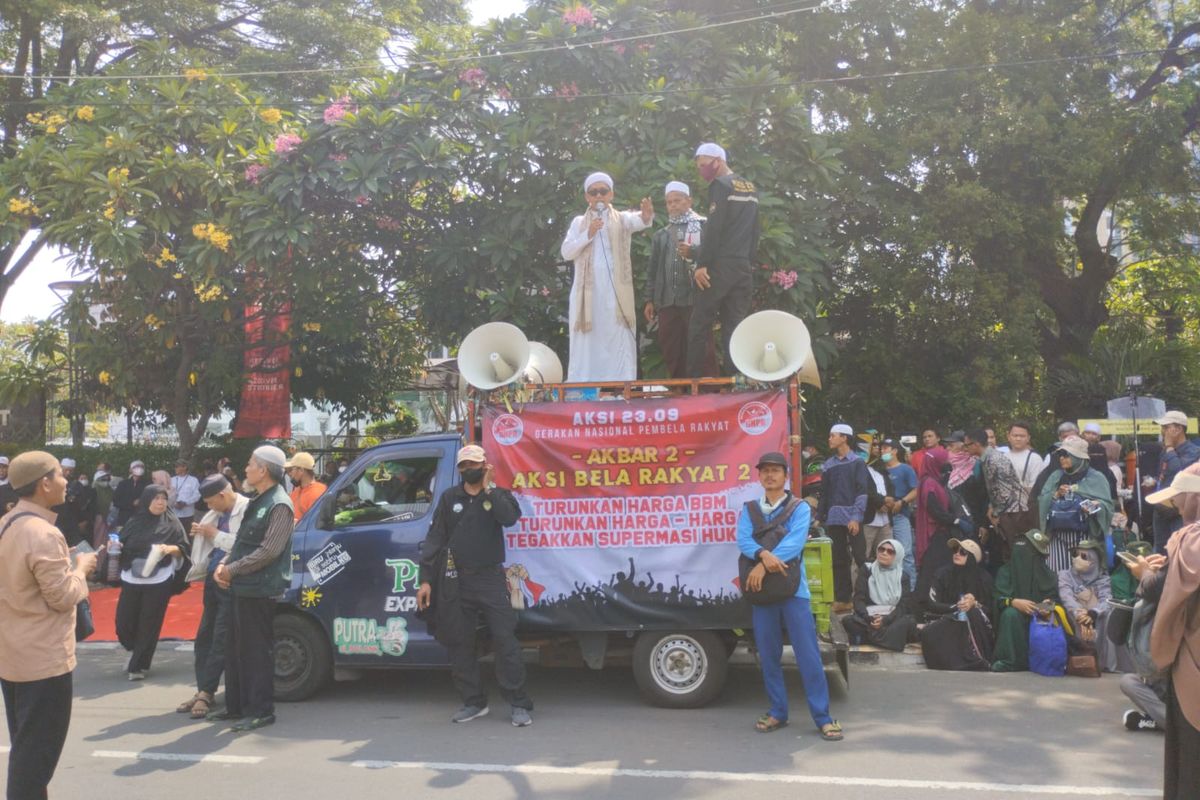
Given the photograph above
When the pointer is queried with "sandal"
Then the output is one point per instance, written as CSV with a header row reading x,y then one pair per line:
x,y
187,705
768,724
832,732
202,706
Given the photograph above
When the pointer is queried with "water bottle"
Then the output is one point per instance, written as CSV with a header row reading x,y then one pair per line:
x,y
960,615
113,571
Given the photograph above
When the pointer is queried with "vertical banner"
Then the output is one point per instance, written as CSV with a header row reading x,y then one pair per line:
x,y
265,411
629,509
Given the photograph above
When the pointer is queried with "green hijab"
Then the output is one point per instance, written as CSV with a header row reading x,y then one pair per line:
x,y
1026,576
1090,485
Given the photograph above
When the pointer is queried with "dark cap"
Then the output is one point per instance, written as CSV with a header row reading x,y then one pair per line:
x,y
773,459
213,485
891,442
957,436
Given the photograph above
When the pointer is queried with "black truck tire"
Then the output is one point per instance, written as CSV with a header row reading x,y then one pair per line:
x,y
303,660
680,669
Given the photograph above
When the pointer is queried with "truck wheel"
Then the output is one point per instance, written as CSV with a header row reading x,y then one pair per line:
x,y
680,669
303,662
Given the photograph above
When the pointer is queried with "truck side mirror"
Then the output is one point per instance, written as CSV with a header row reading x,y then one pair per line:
x,y
325,513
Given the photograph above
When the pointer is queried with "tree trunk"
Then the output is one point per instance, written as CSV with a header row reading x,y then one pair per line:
x,y
9,276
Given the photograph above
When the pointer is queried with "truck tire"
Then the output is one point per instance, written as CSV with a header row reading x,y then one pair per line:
x,y
684,669
303,661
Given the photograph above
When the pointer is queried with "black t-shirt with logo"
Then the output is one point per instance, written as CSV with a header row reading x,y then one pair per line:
x,y
731,233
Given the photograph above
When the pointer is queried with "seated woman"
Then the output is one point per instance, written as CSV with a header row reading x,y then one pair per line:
x,y
1086,593
961,597
1021,584
882,615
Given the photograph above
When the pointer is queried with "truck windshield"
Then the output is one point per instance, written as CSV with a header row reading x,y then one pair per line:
x,y
388,489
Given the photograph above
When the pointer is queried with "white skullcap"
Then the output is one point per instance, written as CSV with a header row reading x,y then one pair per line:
x,y
68,462
678,186
711,149
1092,427
270,454
843,429
597,177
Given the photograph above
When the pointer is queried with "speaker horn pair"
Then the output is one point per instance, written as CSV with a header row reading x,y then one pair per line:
x,y
772,345
498,353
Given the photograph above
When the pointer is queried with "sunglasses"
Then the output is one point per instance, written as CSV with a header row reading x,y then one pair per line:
x,y
963,552
597,192
889,550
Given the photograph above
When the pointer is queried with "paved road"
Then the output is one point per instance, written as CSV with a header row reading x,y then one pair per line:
x,y
911,734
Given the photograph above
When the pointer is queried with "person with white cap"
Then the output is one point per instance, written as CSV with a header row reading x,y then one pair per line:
x,y
1178,453
602,317
466,537
129,491
1091,432
669,281
724,262
257,570
845,484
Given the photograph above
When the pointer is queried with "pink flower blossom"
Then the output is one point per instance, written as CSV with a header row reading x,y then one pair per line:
x,y
567,90
363,200
386,223
286,143
254,173
338,109
338,157
475,77
579,16
784,280
503,93
545,291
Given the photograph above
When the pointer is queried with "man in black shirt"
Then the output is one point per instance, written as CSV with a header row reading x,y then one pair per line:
x,y
723,265
468,530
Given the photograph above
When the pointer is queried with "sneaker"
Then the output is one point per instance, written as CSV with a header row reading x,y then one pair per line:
x,y
468,713
1137,721
137,675
521,718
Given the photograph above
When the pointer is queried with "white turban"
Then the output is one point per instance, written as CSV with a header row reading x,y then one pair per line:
x,y
711,149
598,177
678,186
270,454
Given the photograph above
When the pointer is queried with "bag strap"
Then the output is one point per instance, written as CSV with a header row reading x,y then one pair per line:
x,y
13,519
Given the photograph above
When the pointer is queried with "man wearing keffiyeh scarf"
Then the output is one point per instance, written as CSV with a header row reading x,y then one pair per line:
x,y
669,282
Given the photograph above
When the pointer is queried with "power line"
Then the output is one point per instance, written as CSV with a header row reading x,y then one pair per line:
x,y
841,79
474,57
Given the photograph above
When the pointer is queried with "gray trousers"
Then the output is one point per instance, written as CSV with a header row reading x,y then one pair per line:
x,y
1145,698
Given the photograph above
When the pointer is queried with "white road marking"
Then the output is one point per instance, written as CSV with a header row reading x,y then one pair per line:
x,y
207,758
766,777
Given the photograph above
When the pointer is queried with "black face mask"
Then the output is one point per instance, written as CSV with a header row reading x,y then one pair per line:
x,y
473,475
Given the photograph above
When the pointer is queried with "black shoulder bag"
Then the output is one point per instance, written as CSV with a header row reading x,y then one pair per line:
x,y
776,586
84,625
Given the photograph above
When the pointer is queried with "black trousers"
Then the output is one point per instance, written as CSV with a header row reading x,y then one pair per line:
x,y
486,593
39,713
140,612
250,657
845,547
673,324
727,300
211,635
1181,773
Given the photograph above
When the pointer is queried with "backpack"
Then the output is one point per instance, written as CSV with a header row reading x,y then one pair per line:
x,y
1066,514
1139,640
1047,647
776,587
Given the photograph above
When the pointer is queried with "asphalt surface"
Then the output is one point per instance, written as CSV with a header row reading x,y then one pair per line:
x,y
909,734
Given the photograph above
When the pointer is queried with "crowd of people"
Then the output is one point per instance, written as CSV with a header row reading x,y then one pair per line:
x,y
1055,564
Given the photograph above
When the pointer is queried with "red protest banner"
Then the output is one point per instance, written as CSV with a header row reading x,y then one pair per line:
x,y
630,503
265,411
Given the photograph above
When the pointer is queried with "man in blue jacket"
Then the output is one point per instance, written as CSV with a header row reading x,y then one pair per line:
x,y
778,508
845,484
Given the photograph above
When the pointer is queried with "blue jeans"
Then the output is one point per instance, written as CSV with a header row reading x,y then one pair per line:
x,y
902,532
769,622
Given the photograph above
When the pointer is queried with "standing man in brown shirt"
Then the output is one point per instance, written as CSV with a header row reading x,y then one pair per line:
x,y
39,590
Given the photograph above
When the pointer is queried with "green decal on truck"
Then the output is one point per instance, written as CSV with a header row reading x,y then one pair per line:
x,y
356,636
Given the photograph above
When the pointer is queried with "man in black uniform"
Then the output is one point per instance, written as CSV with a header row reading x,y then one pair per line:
x,y
467,529
723,265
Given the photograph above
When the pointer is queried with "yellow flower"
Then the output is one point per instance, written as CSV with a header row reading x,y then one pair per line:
x,y
220,239
167,255
200,231
312,326
85,113
152,321
110,211
178,276
195,75
192,378
104,378
16,205
110,140
34,118
299,372
270,115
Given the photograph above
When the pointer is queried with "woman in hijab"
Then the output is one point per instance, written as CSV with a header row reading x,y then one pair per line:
x,y
1086,594
1112,454
1175,636
1074,480
152,544
882,612
961,595
1098,461
1022,585
936,520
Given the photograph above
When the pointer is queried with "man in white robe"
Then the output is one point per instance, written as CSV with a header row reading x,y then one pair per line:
x,y
602,319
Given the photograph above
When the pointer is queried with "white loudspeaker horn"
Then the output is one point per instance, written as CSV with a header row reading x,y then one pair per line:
x,y
772,345
492,355
544,365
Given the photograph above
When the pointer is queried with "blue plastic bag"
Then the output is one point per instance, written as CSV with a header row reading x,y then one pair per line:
x,y
1047,647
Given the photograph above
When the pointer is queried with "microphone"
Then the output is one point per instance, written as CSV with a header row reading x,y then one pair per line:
x,y
600,209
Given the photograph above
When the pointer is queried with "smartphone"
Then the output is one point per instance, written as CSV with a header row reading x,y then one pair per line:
x,y
1128,558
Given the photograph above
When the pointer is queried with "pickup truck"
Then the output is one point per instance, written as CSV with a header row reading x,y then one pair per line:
x,y
625,552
